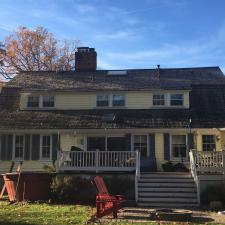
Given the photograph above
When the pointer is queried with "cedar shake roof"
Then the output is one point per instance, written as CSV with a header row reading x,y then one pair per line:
x,y
99,80
207,97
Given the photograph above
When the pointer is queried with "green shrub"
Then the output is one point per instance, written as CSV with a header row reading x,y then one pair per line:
x,y
71,188
213,193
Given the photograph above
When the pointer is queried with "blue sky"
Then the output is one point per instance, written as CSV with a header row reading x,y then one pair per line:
x,y
130,34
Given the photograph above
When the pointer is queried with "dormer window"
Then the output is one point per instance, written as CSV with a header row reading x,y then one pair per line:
x,y
102,101
118,100
176,99
33,101
158,99
48,101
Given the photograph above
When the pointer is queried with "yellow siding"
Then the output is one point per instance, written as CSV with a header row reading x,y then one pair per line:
x,y
159,150
134,100
27,166
69,140
216,132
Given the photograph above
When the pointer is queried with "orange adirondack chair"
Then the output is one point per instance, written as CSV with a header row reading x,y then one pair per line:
x,y
105,203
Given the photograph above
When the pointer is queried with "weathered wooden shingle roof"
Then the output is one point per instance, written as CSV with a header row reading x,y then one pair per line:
x,y
207,97
138,79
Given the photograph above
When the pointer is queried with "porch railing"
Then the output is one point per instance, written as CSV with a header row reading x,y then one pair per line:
x,y
96,161
209,162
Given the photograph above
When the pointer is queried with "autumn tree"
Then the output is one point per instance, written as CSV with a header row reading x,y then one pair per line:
x,y
35,50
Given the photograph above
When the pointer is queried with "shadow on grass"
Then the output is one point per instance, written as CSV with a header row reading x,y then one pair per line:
x,y
15,223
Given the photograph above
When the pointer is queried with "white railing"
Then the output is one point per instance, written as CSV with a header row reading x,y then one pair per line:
x,y
96,161
194,174
137,174
209,162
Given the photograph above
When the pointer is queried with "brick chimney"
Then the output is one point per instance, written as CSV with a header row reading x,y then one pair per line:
x,y
85,59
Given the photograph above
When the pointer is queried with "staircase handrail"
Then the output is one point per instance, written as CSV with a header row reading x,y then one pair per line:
x,y
192,155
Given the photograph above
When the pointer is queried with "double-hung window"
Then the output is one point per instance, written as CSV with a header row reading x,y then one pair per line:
x,y
176,99
208,142
33,101
179,147
118,100
19,147
48,101
46,147
102,101
158,99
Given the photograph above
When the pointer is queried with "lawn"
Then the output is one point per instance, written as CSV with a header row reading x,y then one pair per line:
x,y
38,214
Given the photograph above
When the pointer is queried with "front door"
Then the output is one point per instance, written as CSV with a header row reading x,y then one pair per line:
x,y
140,143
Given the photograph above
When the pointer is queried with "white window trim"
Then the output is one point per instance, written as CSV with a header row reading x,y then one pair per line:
x,y
213,150
132,142
110,98
40,102
165,100
176,106
41,138
178,159
14,148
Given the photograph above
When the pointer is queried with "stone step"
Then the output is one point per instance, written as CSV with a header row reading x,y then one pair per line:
x,y
167,194
167,205
166,199
175,185
167,189
166,180
166,174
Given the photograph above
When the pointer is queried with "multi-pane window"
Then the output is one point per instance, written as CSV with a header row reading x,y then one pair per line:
x,y
33,101
176,99
208,142
118,100
48,101
46,147
102,101
19,146
179,148
158,99
140,144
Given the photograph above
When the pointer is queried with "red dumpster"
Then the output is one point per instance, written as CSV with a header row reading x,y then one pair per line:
x,y
32,186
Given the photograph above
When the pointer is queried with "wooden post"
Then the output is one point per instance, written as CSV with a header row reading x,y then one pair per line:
x,y
223,162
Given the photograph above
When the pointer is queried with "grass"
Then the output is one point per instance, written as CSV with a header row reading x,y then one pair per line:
x,y
44,214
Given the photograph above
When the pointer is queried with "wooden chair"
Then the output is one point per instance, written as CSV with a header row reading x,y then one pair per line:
x,y
106,204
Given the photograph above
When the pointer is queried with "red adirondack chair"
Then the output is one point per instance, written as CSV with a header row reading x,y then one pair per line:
x,y
106,204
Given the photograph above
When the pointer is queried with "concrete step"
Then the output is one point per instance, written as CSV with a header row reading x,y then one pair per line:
x,y
166,199
175,185
166,180
167,189
166,194
165,174
167,205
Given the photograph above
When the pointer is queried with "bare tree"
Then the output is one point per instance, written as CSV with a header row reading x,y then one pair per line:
x,y
35,50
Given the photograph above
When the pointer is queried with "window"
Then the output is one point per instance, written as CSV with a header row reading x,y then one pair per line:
x,y
208,142
140,144
176,99
48,101
19,146
179,149
158,100
46,147
33,101
102,101
118,100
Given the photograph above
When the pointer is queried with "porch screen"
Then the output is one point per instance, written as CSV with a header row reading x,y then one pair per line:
x,y
96,143
116,144
179,149
140,144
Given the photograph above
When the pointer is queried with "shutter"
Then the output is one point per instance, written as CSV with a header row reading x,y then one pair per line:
x,y
166,146
55,146
152,145
191,144
27,147
128,142
9,148
3,147
35,147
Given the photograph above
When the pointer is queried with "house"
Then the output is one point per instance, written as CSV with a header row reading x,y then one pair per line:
x,y
113,120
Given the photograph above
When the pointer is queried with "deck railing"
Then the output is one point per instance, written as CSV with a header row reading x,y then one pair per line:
x,y
211,161
97,161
